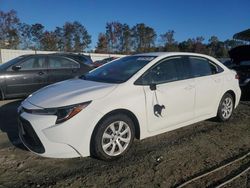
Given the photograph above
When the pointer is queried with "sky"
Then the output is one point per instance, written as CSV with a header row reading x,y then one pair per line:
x,y
188,18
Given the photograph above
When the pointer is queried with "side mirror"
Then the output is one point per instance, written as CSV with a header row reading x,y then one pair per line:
x,y
152,87
16,67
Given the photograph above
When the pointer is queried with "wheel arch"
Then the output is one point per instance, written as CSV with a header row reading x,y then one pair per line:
x,y
231,92
219,115
130,114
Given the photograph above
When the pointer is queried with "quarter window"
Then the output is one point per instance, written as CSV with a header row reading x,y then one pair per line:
x,y
61,63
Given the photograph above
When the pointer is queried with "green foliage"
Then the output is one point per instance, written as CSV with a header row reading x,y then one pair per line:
x,y
72,37
169,43
117,38
126,40
143,38
48,41
37,32
9,23
25,36
102,44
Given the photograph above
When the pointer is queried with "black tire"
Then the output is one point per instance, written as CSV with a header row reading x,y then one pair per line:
x,y
98,140
220,113
1,95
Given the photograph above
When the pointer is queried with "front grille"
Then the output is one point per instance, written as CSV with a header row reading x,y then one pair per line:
x,y
29,136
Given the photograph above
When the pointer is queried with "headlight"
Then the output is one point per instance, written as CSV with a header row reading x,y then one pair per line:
x,y
62,113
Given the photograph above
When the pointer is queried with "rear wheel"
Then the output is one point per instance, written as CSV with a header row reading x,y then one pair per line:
x,y
113,137
1,94
226,108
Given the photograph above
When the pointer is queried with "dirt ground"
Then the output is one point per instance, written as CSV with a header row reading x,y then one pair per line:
x,y
167,160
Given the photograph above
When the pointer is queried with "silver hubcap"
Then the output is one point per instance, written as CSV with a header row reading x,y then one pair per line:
x,y
116,138
227,107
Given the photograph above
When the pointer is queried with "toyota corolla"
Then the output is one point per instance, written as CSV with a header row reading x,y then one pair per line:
x,y
100,113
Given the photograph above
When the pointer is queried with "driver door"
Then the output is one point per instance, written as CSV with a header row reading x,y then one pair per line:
x,y
172,101
31,76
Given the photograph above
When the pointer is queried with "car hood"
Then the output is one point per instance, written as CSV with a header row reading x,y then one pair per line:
x,y
69,92
240,53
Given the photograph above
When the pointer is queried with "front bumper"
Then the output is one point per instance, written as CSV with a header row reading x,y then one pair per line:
x,y
31,133
66,140
29,136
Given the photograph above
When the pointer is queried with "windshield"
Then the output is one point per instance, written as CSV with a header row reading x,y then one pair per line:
x,y
119,70
4,66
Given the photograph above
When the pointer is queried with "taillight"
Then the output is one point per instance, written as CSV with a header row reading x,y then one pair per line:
x,y
237,77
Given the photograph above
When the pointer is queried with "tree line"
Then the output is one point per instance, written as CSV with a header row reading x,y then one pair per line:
x,y
14,34
117,38
120,38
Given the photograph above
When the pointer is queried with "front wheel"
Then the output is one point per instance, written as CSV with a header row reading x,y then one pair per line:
x,y
226,108
113,137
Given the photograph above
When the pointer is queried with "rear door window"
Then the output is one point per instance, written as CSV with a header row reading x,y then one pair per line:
x,y
201,67
62,63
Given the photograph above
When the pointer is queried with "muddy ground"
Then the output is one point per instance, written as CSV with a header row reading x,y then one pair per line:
x,y
166,160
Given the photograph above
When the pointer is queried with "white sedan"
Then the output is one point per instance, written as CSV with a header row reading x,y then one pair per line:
x,y
138,96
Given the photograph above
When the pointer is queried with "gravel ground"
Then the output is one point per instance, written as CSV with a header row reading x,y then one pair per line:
x,y
167,160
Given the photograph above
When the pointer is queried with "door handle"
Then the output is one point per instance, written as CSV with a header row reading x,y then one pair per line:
x,y
41,73
217,80
189,87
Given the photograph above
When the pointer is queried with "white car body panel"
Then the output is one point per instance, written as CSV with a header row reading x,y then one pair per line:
x,y
208,88
169,94
186,102
77,91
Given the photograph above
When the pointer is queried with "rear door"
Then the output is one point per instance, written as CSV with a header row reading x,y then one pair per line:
x,y
208,83
61,68
31,76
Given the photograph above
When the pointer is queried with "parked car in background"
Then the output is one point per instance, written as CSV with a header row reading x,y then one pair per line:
x,y
23,75
79,58
137,96
229,63
104,61
240,62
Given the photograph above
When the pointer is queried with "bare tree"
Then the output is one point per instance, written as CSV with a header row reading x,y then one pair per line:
x,y
9,36
169,42
143,37
102,44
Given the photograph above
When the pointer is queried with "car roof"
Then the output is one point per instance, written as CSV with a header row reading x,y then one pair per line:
x,y
57,54
54,54
69,54
160,54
